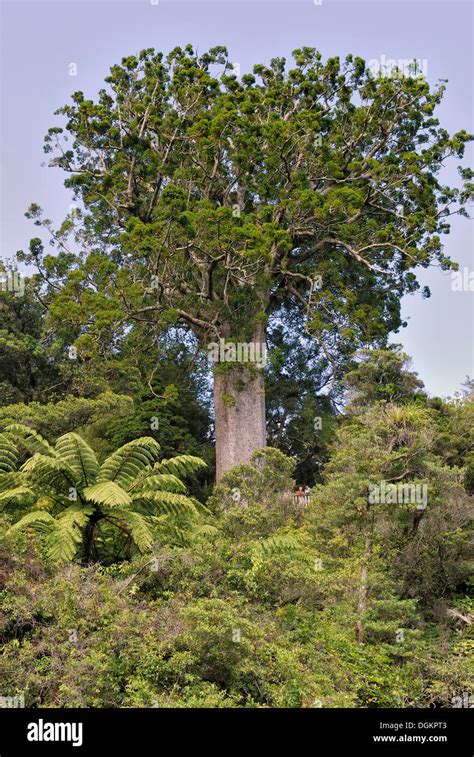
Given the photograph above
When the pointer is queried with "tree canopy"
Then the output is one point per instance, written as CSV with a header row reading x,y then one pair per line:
x,y
211,200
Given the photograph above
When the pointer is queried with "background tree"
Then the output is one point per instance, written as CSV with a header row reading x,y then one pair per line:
x,y
382,375
210,201
399,550
28,367
393,550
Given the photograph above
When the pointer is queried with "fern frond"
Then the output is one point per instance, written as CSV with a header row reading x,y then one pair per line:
x,y
31,439
49,472
126,463
63,534
79,456
170,533
12,480
8,454
181,465
64,538
204,530
134,524
183,532
37,519
108,493
168,503
161,481
19,495
278,544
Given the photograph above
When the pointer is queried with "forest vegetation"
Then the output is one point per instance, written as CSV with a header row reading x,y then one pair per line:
x,y
153,552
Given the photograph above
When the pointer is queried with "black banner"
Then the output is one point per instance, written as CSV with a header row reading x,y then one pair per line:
x,y
151,731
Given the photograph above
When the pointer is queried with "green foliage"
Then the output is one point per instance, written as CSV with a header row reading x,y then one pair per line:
x,y
300,408
172,404
422,547
264,480
300,198
382,376
28,367
73,497
55,419
211,202
237,618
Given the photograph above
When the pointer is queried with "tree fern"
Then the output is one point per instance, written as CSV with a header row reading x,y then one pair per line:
x,y
181,465
79,456
8,454
72,496
166,502
126,463
108,493
31,439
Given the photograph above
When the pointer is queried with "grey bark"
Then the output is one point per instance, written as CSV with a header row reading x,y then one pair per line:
x,y
239,405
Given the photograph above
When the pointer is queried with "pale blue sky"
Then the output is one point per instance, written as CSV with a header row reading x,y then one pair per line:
x,y
41,39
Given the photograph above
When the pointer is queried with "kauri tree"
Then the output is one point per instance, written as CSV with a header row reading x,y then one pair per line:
x,y
212,201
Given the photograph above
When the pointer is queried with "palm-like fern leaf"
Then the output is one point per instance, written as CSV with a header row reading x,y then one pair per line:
x,y
12,480
204,530
126,463
160,482
8,454
134,524
63,534
79,456
168,531
278,544
66,535
168,503
37,519
18,495
182,533
181,465
30,438
108,493
50,472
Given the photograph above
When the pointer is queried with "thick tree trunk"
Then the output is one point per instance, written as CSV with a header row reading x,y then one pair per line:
x,y
239,405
